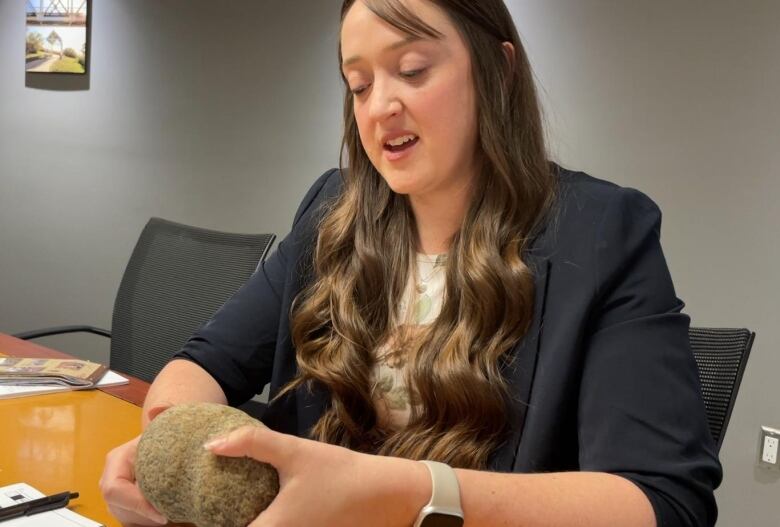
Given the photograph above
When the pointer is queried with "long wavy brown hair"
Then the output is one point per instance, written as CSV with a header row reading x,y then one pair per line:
x,y
364,254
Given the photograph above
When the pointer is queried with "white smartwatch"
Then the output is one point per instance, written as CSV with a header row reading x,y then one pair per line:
x,y
443,509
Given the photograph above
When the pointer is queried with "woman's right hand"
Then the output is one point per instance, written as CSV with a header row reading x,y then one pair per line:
x,y
121,491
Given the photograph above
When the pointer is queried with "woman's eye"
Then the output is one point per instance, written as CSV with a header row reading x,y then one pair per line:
x,y
411,74
405,74
358,90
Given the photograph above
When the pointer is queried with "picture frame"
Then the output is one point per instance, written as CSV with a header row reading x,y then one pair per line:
x,y
57,36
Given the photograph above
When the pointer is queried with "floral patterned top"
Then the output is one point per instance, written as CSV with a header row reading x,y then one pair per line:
x,y
420,305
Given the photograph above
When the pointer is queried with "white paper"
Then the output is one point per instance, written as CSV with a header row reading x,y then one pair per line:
x,y
22,492
8,391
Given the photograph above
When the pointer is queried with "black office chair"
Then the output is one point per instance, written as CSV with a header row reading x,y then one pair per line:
x,y
721,355
177,277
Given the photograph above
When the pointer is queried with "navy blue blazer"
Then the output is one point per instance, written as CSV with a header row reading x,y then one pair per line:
x,y
605,378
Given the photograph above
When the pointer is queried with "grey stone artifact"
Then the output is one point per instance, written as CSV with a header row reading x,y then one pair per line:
x,y
189,484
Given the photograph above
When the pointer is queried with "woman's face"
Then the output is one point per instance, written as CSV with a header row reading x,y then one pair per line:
x,y
414,100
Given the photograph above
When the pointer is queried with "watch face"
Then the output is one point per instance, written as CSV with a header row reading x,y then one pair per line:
x,y
436,519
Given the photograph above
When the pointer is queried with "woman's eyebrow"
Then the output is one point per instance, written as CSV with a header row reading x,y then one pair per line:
x,y
401,43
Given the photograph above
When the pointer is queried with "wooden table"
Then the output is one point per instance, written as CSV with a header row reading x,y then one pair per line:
x,y
59,441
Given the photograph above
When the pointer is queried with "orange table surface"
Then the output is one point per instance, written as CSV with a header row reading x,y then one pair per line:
x,y
59,441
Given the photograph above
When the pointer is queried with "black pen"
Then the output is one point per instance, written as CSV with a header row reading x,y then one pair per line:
x,y
47,503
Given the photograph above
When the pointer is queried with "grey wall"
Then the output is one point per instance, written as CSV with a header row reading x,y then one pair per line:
x,y
222,118
203,114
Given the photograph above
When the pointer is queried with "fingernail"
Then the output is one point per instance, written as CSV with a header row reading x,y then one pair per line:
x,y
160,519
214,443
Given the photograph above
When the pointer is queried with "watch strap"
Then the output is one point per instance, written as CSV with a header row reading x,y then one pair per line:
x,y
445,492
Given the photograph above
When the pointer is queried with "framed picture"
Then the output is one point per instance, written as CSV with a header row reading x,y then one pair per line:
x,y
57,38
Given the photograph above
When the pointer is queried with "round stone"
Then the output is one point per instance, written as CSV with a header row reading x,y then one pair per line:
x,y
189,484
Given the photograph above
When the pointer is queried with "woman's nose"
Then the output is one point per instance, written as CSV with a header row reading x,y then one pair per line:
x,y
385,102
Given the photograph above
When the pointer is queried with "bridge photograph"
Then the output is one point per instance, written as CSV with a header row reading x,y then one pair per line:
x,y
56,37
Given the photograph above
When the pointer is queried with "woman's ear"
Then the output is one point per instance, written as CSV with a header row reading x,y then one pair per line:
x,y
509,55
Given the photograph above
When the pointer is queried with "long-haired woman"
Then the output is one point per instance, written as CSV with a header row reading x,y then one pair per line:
x,y
455,328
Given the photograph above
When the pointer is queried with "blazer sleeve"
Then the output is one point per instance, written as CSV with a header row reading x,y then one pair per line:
x,y
641,415
236,346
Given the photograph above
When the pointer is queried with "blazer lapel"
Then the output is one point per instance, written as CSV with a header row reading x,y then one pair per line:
x,y
311,405
519,373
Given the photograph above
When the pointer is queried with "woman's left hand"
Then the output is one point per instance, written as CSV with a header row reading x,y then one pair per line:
x,y
327,485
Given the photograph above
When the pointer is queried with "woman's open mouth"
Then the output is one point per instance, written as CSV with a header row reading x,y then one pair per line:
x,y
397,148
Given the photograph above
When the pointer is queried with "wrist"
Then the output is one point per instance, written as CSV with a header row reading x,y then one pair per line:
x,y
419,489
407,484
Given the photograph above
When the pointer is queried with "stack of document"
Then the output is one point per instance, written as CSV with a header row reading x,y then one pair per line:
x,y
8,391
65,372
22,492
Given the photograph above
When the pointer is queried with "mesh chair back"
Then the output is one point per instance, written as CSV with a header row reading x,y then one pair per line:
x,y
177,277
721,355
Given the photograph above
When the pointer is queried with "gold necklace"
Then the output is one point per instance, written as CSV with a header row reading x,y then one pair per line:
x,y
422,283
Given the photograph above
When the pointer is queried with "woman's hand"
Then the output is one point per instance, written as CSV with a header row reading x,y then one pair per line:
x,y
326,485
121,491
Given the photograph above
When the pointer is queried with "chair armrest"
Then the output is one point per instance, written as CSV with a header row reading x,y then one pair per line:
x,y
59,330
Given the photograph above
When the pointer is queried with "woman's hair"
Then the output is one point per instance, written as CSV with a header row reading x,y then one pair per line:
x,y
365,250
